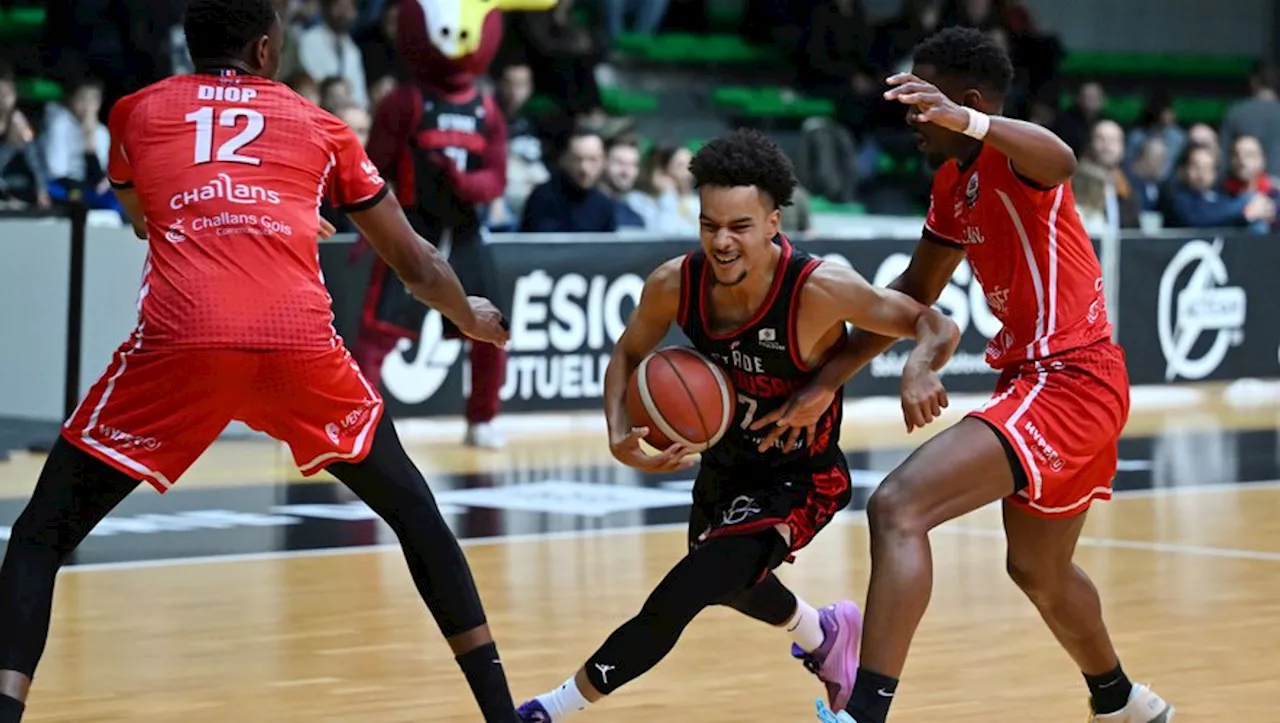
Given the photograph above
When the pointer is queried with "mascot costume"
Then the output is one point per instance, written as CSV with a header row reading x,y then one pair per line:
x,y
442,142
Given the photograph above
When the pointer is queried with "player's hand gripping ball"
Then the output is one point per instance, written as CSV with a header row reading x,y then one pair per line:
x,y
680,403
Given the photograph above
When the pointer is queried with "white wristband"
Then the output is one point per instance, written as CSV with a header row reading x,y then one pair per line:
x,y
979,124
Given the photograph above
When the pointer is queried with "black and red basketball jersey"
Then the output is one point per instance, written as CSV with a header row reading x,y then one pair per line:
x,y
763,360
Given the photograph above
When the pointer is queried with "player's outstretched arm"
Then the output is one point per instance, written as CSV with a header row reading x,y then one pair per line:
x,y
842,292
649,323
425,272
931,266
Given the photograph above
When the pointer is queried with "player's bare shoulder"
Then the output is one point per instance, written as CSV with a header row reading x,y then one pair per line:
x,y
827,290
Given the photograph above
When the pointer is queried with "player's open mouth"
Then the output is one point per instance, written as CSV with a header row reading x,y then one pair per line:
x,y
726,259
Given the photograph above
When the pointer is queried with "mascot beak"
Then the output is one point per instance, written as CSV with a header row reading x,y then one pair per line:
x,y
517,5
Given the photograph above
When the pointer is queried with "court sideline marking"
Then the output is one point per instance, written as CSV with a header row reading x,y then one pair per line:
x,y
856,518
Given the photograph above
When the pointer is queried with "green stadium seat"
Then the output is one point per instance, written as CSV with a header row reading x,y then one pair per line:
x,y
1126,109
620,101
818,204
22,21
769,102
39,90
685,48
1175,65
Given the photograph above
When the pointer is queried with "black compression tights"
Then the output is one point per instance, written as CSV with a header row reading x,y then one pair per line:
x,y
720,571
76,491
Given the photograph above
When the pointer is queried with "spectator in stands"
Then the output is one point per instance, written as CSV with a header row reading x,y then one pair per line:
x,y
1104,198
1146,172
305,86
1259,115
124,42
632,16
834,61
1247,170
75,144
1076,123
1043,110
664,192
563,56
1203,134
571,201
899,35
335,93
378,49
621,169
1158,119
328,49
525,167
23,176
1193,200
357,119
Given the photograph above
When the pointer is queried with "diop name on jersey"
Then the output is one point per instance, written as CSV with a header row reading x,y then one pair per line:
x,y
223,188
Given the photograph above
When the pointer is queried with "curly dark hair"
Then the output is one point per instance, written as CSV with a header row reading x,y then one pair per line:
x,y
220,29
970,54
746,157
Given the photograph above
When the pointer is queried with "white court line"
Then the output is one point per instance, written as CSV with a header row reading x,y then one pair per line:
x,y
672,526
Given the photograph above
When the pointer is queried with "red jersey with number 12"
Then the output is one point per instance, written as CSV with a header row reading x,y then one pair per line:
x,y
231,170
1030,252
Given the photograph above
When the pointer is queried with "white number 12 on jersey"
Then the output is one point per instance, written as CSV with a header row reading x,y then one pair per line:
x,y
228,118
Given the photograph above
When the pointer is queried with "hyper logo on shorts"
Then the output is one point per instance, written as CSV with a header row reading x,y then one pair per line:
x,y
1043,449
123,440
354,420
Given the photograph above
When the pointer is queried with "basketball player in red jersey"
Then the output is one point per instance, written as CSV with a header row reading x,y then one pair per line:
x,y
1045,443
223,173
770,314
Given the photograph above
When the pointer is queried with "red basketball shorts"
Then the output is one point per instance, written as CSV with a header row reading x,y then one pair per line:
x,y
152,413
1062,417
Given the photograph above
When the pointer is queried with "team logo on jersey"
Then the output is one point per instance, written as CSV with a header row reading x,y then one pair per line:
x,y
1203,305
176,233
998,300
971,190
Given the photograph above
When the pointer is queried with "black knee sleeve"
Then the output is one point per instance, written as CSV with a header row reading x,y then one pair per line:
x,y
74,492
769,601
715,571
389,482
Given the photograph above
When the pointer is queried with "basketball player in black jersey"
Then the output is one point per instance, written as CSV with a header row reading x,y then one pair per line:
x,y
771,315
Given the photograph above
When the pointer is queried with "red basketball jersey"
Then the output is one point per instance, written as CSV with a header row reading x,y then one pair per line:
x,y
231,170
1029,251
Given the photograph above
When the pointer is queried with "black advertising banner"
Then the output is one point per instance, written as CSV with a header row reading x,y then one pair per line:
x,y
569,301
1200,309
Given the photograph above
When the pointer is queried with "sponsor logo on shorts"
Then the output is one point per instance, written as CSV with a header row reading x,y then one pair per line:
x,y
349,424
224,189
124,440
740,510
1043,450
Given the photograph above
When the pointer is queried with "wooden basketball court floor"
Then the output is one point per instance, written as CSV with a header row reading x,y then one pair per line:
x,y
249,594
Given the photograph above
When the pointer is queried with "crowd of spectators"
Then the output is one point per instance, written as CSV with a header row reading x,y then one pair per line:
x,y
573,168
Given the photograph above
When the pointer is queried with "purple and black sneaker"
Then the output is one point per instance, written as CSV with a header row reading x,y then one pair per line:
x,y
835,662
533,712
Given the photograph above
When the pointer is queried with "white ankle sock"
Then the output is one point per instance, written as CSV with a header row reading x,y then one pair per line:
x,y
564,701
805,627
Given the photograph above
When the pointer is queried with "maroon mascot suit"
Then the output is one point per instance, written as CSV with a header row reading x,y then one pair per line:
x,y
442,142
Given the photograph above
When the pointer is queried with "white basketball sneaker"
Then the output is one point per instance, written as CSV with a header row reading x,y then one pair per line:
x,y
1144,706
484,436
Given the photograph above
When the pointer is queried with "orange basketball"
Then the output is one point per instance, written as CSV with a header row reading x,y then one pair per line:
x,y
682,397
